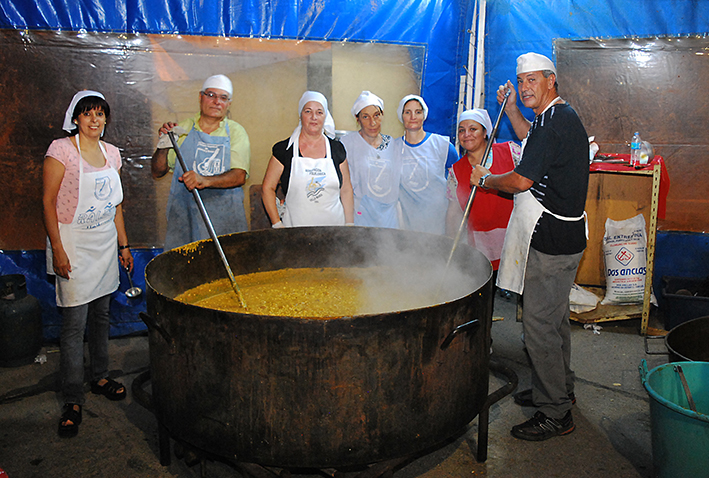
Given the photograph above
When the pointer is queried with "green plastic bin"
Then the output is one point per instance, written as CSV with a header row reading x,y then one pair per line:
x,y
680,436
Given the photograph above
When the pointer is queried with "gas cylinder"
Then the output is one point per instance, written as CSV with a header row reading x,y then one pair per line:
x,y
20,322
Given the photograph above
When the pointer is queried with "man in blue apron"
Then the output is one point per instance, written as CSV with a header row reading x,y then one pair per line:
x,y
216,152
545,238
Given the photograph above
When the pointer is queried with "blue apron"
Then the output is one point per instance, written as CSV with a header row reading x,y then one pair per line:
x,y
208,156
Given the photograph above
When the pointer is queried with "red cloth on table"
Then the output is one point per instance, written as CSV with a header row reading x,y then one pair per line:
x,y
664,176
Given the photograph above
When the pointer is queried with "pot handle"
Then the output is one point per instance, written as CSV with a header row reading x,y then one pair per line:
x,y
466,327
153,325
642,368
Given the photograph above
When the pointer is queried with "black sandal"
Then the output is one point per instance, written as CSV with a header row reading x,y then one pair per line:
x,y
70,414
111,389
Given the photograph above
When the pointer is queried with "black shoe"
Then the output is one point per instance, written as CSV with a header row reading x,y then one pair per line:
x,y
70,421
540,427
524,398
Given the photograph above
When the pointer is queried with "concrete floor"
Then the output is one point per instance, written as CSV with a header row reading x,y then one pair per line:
x,y
612,436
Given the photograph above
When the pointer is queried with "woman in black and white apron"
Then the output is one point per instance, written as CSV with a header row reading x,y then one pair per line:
x,y
312,169
86,238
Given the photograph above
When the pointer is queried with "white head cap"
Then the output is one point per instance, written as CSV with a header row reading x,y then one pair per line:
x,y
220,82
366,98
328,127
68,125
534,62
406,99
480,116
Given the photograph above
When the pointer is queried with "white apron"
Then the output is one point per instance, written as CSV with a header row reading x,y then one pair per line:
x,y
90,240
515,250
422,193
313,197
375,175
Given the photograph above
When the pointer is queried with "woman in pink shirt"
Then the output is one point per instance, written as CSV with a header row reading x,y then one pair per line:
x,y
86,238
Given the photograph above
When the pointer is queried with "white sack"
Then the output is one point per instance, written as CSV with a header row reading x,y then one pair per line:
x,y
625,258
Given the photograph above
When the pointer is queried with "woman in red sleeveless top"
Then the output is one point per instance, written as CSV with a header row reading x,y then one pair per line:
x,y
491,209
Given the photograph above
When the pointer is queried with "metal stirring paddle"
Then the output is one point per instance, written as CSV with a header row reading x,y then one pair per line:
x,y
208,223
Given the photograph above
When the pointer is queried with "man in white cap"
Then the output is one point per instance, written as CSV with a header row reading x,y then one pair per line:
x,y
545,238
216,151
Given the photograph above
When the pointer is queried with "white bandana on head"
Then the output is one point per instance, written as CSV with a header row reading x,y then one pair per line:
x,y
366,98
479,116
219,82
406,99
68,124
328,127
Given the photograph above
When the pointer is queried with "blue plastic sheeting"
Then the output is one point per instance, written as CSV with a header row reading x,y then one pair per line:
x,y
124,311
441,25
515,27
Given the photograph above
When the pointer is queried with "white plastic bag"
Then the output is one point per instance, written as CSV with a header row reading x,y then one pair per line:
x,y
582,300
625,258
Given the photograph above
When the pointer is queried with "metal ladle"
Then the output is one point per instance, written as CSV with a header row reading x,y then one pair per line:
x,y
133,291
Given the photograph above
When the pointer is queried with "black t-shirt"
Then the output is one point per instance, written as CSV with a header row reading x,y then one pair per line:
x,y
556,159
285,156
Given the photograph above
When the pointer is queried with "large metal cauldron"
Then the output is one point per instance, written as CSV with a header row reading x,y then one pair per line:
x,y
292,392
689,341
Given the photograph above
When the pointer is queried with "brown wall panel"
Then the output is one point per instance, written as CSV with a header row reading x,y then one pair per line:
x,y
657,86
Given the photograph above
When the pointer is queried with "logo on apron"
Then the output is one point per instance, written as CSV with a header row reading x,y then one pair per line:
x,y
92,218
379,178
209,159
102,188
315,188
414,175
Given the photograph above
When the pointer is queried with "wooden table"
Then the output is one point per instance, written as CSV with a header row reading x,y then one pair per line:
x,y
618,191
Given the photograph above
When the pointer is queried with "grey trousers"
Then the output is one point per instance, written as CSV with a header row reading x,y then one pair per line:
x,y
547,334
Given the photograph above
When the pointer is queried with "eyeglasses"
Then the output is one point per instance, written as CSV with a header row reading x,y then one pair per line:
x,y
213,96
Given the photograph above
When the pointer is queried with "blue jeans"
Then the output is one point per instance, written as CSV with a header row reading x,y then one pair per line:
x,y
96,315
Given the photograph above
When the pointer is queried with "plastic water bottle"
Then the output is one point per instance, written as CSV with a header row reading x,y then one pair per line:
x,y
635,149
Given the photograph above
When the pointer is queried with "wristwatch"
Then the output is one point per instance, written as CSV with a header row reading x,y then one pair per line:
x,y
481,183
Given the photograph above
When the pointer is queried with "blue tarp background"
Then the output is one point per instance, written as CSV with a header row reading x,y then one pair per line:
x,y
440,25
518,26
513,27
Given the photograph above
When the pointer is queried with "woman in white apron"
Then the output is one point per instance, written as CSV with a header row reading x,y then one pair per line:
x,y
425,159
86,238
374,171
312,170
